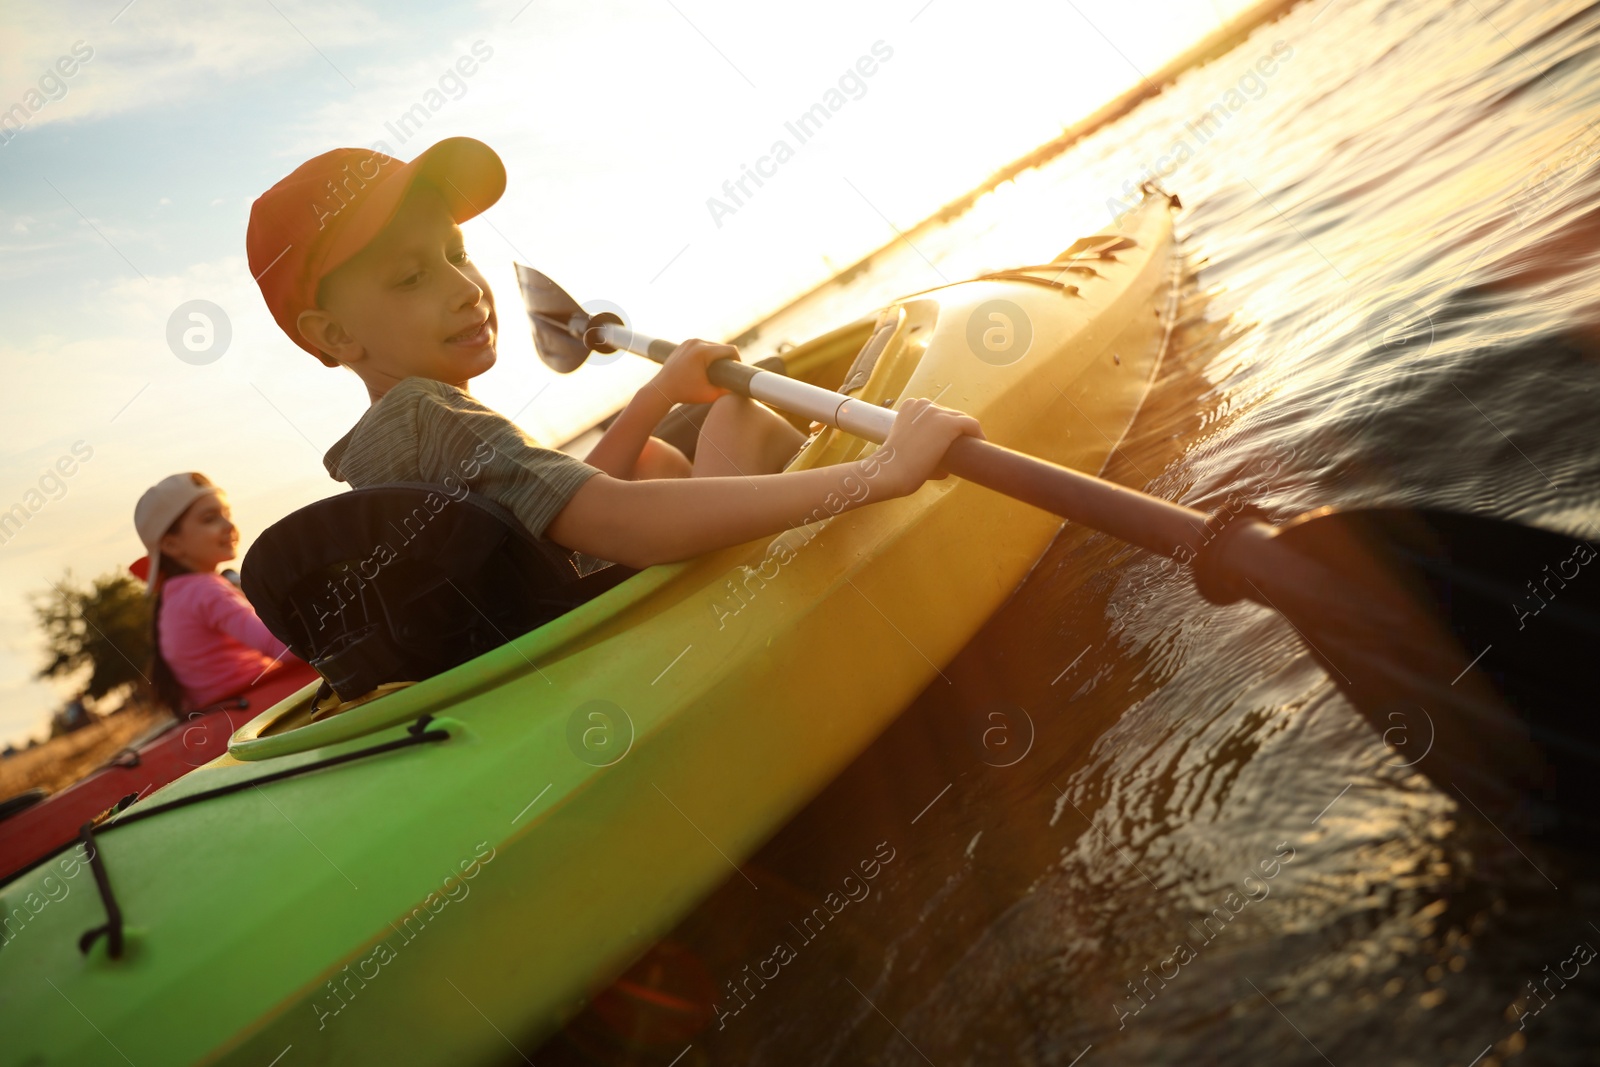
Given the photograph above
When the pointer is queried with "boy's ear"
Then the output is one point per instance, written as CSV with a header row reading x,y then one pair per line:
x,y
326,334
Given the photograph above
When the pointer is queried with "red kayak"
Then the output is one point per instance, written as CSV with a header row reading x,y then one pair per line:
x,y
146,764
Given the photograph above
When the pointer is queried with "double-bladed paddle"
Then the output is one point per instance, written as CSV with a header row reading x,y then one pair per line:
x,y
1468,642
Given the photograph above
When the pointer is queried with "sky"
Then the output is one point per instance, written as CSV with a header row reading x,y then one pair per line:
x,y
126,185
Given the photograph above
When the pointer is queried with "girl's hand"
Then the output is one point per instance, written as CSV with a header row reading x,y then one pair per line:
x,y
682,378
921,433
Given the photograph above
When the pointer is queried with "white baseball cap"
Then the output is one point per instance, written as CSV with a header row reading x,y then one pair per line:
x,y
160,507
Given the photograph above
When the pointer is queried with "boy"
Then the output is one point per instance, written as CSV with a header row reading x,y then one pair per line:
x,y
361,260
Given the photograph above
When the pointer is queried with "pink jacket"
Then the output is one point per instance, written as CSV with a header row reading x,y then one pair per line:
x,y
212,638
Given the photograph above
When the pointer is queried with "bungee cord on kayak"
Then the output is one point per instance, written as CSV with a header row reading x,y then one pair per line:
x,y
112,927
416,734
114,817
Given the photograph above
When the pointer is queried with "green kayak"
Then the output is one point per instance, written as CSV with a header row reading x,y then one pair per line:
x,y
461,863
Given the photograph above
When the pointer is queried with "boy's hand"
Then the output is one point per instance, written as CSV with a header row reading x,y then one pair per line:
x,y
682,378
921,433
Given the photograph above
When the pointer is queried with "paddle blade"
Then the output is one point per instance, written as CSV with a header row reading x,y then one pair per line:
x,y
1523,607
557,320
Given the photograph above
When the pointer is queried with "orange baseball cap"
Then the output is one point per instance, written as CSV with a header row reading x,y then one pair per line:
x,y
332,206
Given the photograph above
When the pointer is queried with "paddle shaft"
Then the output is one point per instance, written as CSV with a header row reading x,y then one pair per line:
x,y
1151,523
1234,556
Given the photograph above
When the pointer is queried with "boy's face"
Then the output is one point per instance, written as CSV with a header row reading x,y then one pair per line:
x,y
409,303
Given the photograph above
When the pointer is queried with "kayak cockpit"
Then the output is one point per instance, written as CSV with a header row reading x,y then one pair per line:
x,y
384,587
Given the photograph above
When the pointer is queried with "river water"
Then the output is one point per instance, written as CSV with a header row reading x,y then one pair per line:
x,y
1390,295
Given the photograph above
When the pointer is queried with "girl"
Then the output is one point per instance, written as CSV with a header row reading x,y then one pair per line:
x,y
206,641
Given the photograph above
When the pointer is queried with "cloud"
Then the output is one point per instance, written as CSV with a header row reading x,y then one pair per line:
x,y
156,54
58,243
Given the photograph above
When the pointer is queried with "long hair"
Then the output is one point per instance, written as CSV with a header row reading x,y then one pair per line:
x,y
168,690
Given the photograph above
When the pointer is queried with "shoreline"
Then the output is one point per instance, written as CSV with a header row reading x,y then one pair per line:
x,y
1216,44
1213,46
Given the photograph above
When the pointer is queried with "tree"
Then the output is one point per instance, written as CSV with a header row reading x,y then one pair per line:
x,y
104,627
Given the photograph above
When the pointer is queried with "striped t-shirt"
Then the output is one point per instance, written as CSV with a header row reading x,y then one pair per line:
x,y
423,430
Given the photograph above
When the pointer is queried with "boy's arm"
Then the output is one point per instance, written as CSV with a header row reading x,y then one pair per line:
x,y
619,447
640,524
663,520
681,380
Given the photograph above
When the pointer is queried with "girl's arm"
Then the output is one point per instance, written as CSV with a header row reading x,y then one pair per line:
x,y
231,614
